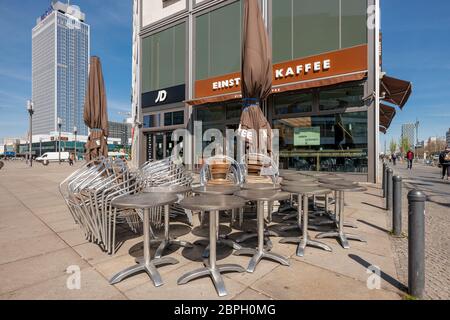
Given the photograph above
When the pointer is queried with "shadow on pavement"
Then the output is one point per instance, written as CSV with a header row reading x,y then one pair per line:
x,y
383,275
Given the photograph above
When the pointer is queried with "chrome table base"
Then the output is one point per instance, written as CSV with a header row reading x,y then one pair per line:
x,y
168,241
145,263
340,224
212,269
304,241
260,253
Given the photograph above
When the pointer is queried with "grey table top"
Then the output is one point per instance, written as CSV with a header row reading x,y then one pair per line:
x,y
168,189
216,190
299,183
261,186
263,195
144,200
299,178
306,190
346,188
212,203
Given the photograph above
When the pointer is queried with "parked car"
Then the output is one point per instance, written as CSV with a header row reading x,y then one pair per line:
x,y
48,157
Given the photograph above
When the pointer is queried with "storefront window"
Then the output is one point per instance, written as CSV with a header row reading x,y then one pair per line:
x,y
152,121
210,113
164,59
302,28
293,103
218,41
341,98
336,142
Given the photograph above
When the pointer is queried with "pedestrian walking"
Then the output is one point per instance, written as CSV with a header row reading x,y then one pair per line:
x,y
394,159
71,160
410,158
444,160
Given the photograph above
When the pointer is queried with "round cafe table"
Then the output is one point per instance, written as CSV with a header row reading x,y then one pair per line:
x,y
261,196
304,193
339,232
260,187
216,191
168,240
146,202
212,204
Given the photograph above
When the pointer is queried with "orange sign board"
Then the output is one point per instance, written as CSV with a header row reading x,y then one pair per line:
x,y
315,67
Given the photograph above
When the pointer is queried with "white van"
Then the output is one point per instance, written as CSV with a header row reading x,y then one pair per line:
x,y
53,157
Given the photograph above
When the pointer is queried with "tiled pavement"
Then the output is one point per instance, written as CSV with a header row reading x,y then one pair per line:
x,y
39,241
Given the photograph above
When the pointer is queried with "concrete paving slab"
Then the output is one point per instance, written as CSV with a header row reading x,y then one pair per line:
x,y
26,272
307,282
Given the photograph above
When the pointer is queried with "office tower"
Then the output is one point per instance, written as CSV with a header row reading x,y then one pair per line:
x,y
409,132
60,66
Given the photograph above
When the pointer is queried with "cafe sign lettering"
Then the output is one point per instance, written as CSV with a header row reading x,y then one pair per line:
x,y
325,65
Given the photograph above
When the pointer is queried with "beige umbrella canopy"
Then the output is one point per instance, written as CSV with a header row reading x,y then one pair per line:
x,y
256,74
95,112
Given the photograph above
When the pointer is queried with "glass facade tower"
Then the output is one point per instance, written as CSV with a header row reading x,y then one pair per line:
x,y
60,67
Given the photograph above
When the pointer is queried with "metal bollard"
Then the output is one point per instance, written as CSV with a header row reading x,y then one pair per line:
x,y
390,172
383,181
416,243
397,206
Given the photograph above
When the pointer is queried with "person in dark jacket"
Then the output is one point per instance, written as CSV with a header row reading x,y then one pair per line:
x,y
444,160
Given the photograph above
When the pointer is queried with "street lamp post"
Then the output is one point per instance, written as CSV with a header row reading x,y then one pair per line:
x,y
75,131
59,139
30,108
40,147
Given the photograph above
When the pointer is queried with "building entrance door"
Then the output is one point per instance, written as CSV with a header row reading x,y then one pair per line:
x,y
160,145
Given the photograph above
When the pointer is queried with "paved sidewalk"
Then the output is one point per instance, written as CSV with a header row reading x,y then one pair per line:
x,y
437,224
39,241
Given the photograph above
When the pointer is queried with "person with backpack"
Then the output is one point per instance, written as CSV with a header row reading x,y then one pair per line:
x,y
410,158
444,160
394,159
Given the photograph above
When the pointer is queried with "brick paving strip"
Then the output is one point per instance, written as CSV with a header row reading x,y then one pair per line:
x,y
39,241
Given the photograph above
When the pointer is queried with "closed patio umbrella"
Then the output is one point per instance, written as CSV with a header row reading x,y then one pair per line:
x,y
95,112
256,74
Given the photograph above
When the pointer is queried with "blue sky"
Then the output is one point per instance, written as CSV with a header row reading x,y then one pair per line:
x,y
416,47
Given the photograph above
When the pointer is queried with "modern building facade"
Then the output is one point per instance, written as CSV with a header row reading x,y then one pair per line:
x,y
409,132
120,130
60,66
326,77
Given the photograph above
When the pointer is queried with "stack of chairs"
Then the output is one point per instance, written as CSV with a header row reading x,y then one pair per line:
x,y
88,193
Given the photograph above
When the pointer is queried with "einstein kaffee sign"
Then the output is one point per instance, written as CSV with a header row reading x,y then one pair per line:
x,y
296,74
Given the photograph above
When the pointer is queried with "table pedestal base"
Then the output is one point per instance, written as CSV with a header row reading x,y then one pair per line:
x,y
223,241
215,274
343,237
258,255
302,244
150,268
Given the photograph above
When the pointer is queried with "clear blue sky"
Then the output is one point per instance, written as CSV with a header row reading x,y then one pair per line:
x,y
416,47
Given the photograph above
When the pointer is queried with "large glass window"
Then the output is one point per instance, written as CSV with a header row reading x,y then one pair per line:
x,y
336,142
341,97
293,103
164,59
218,41
302,28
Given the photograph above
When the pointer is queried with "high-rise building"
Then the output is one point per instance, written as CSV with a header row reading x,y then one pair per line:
x,y
448,138
60,66
409,132
120,130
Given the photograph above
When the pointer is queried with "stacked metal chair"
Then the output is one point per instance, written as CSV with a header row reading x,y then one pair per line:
x,y
88,193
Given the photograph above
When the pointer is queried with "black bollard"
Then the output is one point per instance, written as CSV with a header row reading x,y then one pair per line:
x,y
383,181
416,243
390,172
397,206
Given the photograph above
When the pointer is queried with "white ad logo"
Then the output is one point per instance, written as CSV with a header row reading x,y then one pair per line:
x,y
162,96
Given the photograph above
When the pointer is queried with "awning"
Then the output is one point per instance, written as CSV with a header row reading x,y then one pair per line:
x,y
387,114
395,91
